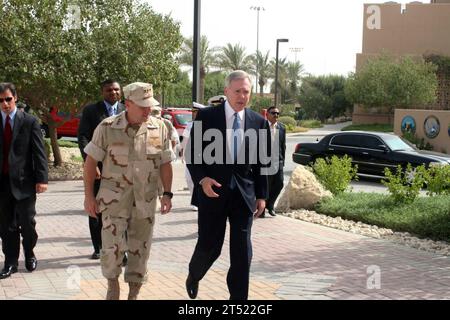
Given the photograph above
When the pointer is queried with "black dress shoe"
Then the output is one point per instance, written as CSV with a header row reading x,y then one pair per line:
x,y
8,271
95,256
191,287
272,212
125,260
31,264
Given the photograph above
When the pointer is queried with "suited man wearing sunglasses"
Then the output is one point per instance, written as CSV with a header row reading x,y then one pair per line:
x,y
24,173
278,138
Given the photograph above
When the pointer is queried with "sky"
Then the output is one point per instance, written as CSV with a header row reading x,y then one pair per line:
x,y
328,31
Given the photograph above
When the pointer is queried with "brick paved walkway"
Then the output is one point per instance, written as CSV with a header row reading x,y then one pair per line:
x,y
292,259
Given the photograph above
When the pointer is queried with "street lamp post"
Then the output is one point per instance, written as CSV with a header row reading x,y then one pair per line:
x,y
196,52
276,70
257,41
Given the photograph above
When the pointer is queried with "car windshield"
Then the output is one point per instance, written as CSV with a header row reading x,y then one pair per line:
x,y
397,144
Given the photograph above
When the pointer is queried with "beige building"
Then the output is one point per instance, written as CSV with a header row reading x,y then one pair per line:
x,y
414,29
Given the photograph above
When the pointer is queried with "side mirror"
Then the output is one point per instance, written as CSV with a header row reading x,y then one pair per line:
x,y
383,148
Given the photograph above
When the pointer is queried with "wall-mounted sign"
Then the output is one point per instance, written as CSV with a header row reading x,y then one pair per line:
x,y
431,127
408,125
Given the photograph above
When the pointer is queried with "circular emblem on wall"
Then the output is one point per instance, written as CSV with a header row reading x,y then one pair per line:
x,y
431,127
408,125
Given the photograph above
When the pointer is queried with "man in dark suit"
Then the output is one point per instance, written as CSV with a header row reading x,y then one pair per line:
x,y
232,186
92,115
24,173
278,140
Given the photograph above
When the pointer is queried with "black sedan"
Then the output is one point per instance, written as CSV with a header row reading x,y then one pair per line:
x,y
371,151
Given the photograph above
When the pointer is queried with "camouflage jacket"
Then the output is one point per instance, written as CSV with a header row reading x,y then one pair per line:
x,y
131,160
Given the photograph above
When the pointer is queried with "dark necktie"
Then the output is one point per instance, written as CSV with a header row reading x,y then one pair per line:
x,y
7,137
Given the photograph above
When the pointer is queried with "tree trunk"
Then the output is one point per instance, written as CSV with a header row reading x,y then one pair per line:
x,y
261,87
54,143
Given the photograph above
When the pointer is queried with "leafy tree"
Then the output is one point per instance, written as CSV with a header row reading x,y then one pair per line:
x,y
233,57
178,92
56,64
323,97
315,103
214,84
385,82
207,59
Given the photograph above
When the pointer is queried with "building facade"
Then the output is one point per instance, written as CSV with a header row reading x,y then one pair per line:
x,y
415,29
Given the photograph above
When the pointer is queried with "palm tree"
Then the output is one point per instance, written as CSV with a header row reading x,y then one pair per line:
x,y
207,59
233,58
295,71
262,65
282,76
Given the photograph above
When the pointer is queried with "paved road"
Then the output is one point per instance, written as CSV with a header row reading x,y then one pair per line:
x,y
292,259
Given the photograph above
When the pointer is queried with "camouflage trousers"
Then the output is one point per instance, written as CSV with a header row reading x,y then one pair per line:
x,y
137,243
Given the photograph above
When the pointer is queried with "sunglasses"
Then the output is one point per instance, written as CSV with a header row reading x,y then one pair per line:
x,y
7,99
275,113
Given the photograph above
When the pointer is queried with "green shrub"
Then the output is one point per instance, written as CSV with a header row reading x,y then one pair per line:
x,y
288,121
437,179
419,143
404,185
335,174
288,110
311,124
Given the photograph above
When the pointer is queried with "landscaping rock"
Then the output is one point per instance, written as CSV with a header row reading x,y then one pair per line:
x,y
302,192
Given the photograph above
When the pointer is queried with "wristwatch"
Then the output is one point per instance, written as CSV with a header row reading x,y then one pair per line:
x,y
168,194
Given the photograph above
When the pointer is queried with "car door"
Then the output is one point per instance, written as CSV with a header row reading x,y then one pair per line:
x,y
346,144
375,155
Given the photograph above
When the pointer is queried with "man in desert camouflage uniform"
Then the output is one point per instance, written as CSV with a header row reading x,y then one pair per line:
x,y
135,151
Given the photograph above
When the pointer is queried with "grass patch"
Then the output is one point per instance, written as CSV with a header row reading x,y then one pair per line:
x,y
426,217
370,127
76,158
64,143
311,124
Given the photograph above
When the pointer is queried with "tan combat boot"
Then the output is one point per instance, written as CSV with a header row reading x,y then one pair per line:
x,y
113,292
134,290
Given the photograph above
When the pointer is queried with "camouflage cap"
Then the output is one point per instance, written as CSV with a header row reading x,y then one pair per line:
x,y
140,93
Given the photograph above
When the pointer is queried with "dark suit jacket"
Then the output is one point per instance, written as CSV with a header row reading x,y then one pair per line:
x,y
28,163
251,183
91,117
282,143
